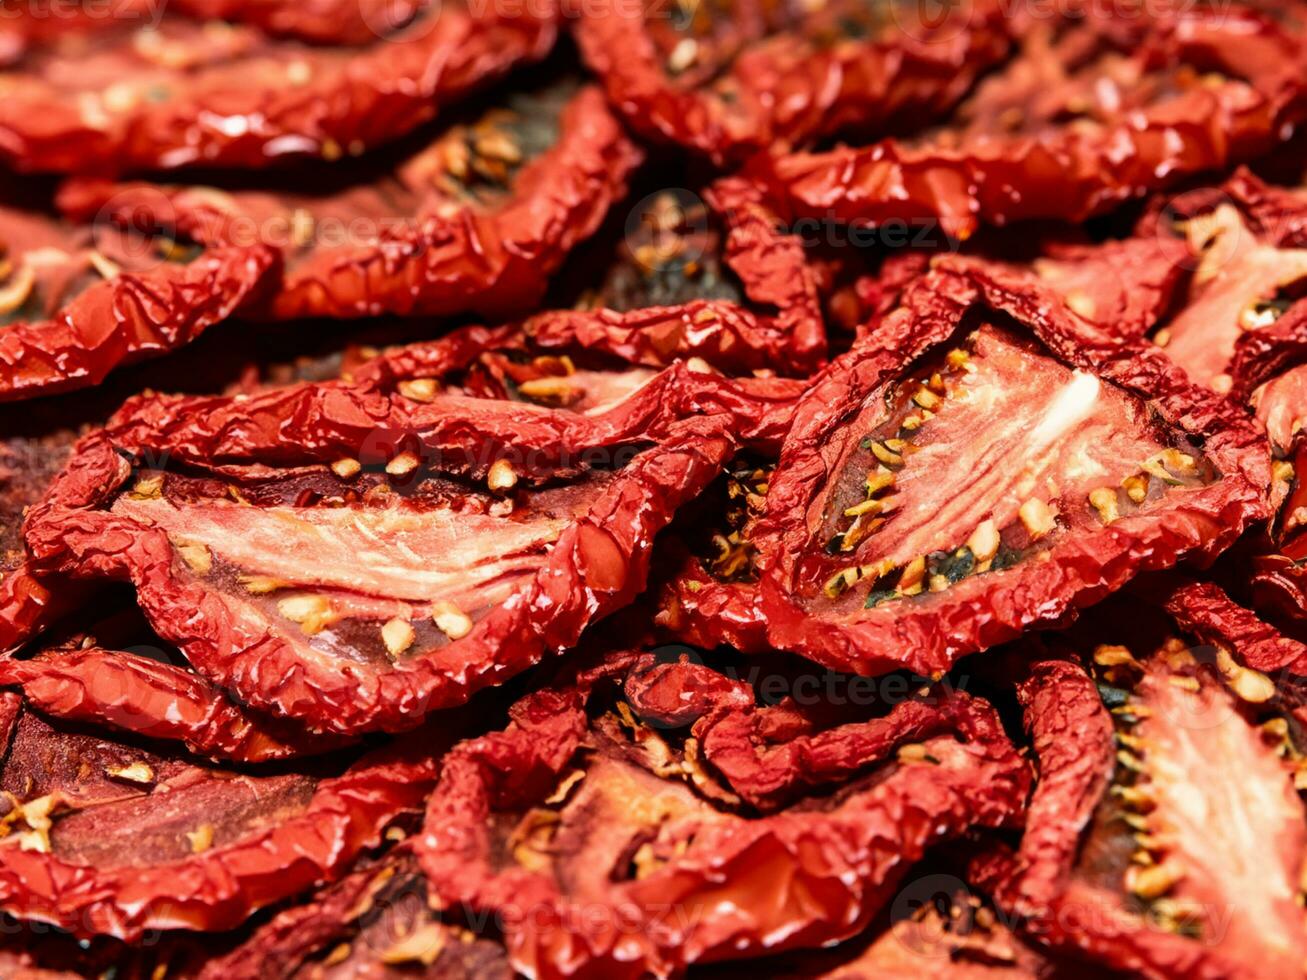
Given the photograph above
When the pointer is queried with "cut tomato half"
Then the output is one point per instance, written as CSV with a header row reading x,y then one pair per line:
x,y
983,462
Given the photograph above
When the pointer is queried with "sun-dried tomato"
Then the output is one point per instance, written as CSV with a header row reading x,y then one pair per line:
x,y
1249,649
75,303
1205,612
1279,577
1165,836
119,96
984,461
733,76
1124,286
103,837
477,220
1071,127
677,255
131,693
603,835
374,922
356,557
1242,328
1233,320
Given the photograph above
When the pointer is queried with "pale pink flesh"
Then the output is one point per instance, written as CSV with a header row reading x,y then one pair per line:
x,y
1022,426
1236,271
396,553
604,389
1230,816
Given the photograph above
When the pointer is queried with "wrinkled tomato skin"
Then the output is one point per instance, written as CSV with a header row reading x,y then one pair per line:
x,y
1206,612
219,888
845,867
690,419
494,261
1073,737
134,694
1067,175
786,89
930,638
698,609
127,318
379,93
317,22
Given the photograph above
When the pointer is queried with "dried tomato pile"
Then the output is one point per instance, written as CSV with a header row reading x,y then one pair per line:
x,y
573,488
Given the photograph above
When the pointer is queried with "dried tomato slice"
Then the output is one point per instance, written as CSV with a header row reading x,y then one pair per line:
x,y
1124,286
904,527
590,360
1165,824
728,78
103,837
1071,127
120,97
477,220
1245,280
1243,329
138,695
1262,664
1278,580
285,542
601,843
75,304
374,922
